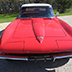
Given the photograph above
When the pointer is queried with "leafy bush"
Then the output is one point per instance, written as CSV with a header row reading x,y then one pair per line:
x,y
62,5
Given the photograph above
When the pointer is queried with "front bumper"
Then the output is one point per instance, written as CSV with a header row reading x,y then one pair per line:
x,y
8,57
36,58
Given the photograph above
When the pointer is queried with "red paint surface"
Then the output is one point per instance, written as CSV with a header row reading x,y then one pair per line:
x,y
21,36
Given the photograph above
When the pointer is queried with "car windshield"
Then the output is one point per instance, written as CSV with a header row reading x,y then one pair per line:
x,y
36,12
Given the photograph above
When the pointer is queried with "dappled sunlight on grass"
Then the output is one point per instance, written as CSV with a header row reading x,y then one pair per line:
x,y
69,13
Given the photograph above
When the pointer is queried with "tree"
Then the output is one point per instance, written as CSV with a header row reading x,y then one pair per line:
x,y
13,6
62,5
29,1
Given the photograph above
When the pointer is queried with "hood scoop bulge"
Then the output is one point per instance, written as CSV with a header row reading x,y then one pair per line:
x,y
39,29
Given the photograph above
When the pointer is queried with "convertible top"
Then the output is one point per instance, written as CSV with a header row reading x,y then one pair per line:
x,y
36,4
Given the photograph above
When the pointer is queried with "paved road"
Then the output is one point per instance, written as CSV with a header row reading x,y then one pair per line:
x,y
63,65
67,19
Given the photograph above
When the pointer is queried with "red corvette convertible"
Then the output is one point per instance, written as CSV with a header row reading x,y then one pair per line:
x,y
36,34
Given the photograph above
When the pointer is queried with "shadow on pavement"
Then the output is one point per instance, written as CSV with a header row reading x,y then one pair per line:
x,y
23,66
1,32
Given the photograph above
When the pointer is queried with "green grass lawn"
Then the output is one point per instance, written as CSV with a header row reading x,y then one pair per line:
x,y
8,17
11,17
63,14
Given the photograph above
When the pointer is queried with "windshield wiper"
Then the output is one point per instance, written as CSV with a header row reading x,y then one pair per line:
x,y
48,17
36,17
43,17
26,18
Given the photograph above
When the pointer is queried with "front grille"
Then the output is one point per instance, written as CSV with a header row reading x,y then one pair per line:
x,y
43,54
37,57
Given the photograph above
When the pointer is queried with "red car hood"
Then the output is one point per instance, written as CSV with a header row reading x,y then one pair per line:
x,y
38,27
33,35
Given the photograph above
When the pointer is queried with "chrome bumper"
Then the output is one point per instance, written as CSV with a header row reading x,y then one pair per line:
x,y
62,57
11,58
35,59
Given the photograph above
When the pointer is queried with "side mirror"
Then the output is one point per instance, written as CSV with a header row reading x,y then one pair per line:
x,y
57,14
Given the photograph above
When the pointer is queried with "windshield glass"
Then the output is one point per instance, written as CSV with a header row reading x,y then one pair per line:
x,y
36,12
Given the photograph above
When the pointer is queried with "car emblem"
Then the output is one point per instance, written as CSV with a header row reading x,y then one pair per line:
x,y
40,37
